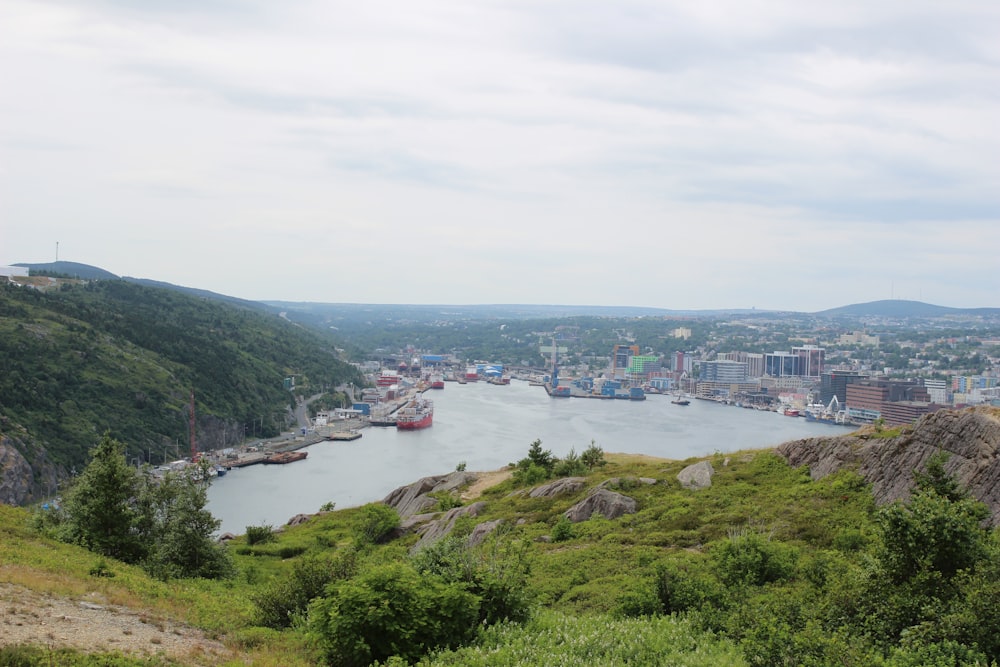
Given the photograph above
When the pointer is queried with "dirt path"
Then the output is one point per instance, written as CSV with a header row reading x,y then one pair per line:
x,y
91,625
484,481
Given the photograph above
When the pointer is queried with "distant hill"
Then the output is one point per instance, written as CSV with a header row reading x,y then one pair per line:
x,y
70,269
900,308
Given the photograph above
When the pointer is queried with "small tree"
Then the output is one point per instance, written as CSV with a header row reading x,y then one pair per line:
x,y
181,530
593,456
101,513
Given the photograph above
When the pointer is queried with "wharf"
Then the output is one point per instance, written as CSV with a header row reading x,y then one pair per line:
x,y
351,430
344,435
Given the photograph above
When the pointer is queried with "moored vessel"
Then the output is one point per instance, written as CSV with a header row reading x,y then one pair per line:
x,y
418,413
285,457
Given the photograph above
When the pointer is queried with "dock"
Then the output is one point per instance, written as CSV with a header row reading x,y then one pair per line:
x,y
344,435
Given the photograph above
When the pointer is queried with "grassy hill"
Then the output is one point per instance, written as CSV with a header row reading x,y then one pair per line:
x,y
110,355
766,566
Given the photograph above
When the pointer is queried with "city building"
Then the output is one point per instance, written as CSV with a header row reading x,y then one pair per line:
x,y
781,364
621,359
858,338
937,390
810,360
723,370
895,401
834,383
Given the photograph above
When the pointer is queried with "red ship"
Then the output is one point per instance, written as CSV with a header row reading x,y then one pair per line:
x,y
416,414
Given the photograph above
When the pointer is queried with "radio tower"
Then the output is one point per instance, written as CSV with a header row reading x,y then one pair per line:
x,y
194,448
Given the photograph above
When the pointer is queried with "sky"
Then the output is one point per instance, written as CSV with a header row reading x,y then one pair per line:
x,y
791,155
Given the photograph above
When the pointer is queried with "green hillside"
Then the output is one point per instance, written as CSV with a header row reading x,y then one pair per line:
x,y
115,356
764,567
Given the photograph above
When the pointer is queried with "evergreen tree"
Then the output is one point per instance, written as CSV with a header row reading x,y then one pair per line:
x,y
100,507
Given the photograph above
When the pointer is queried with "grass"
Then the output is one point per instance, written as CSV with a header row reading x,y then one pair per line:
x,y
579,581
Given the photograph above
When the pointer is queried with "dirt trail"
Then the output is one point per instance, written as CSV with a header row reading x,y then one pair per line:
x,y
91,625
484,481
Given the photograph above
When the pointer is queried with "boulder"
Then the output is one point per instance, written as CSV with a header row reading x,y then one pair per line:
x,y
696,476
607,503
558,487
415,498
298,520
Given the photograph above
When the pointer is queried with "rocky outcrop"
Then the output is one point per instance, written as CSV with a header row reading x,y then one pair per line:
x,y
558,487
696,476
15,476
20,481
432,531
601,501
971,437
415,498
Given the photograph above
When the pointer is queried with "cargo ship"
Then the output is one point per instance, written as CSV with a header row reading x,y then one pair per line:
x,y
416,414
437,382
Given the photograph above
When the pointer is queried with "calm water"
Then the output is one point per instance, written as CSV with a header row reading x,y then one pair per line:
x,y
489,426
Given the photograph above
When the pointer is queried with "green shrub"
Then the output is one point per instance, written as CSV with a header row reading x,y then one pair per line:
x,y
391,610
374,523
278,605
563,530
748,557
260,534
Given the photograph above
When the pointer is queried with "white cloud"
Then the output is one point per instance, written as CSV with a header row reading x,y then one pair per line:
x,y
778,154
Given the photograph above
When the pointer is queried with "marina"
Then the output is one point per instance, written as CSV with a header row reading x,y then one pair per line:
x,y
486,427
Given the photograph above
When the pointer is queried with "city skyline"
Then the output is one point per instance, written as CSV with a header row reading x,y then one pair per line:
x,y
779,156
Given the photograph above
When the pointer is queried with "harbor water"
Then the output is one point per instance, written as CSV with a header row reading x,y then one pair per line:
x,y
486,427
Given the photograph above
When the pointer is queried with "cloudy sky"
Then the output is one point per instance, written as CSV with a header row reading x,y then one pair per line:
x,y
760,153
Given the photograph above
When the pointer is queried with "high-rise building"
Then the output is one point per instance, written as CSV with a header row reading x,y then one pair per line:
x,y
780,364
810,360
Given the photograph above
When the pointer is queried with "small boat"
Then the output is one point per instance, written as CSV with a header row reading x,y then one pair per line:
x,y
418,413
680,400
791,412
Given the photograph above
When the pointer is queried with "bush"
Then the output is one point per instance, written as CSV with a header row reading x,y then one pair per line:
x,y
563,530
391,610
260,534
496,572
278,605
571,466
374,523
749,558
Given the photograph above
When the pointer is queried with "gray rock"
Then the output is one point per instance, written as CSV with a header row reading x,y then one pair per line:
x,y
414,498
298,520
482,530
970,437
696,476
558,487
607,503
432,531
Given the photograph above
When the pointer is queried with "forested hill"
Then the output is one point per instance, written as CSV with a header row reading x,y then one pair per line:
x,y
110,355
